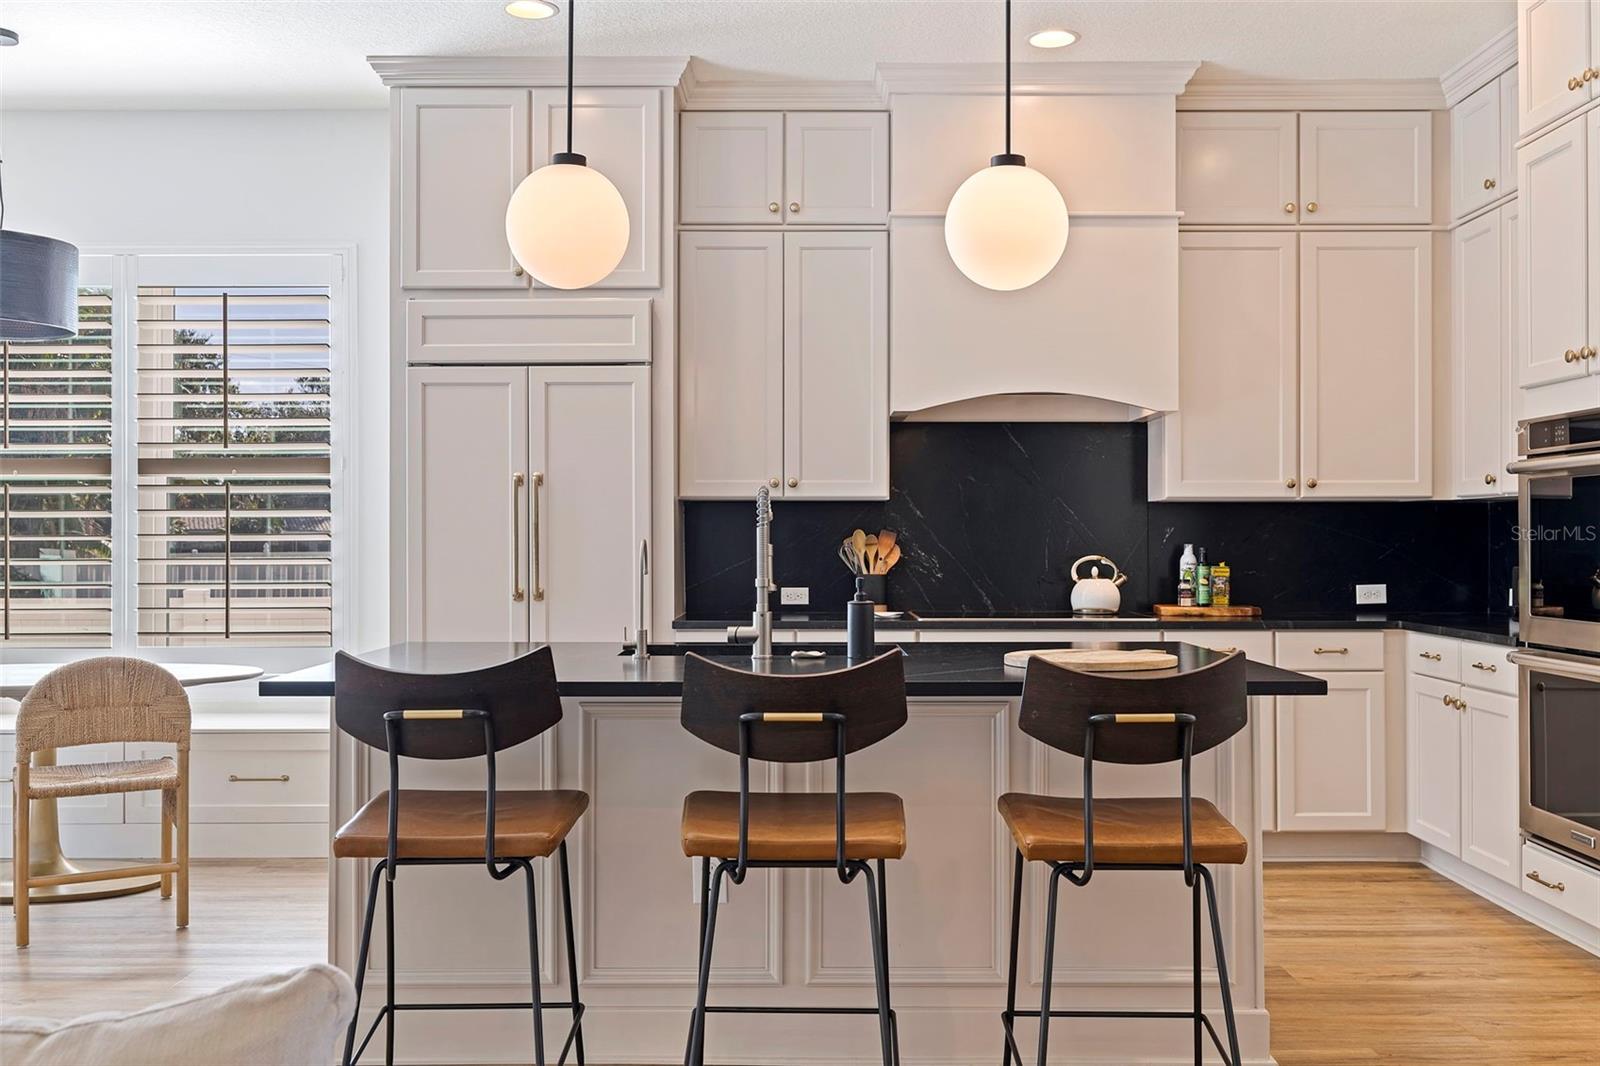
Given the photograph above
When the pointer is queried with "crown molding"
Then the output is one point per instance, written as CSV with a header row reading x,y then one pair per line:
x,y
1480,68
1035,79
527,70
1296,94
775,94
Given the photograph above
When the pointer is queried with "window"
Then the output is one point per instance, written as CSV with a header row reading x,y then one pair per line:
x,y
188,431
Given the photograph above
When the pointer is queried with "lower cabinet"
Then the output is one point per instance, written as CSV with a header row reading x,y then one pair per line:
x,y
1331,773
1433,762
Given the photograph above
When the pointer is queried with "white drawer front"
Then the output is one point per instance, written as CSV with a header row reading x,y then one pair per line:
x,y
1256,644
556,330
1341,649
1432,656
246,777
1562,883
1485,666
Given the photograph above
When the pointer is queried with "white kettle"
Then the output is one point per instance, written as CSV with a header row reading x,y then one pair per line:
x,y
1095,594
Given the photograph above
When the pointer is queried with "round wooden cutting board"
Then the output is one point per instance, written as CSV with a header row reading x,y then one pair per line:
x,y
1097,659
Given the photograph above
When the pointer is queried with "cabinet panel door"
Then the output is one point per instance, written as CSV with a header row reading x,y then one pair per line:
x,y
1490,791
1592,278
1433,763
1477,346
1331,755
1552,48
836,167
1475,147
1366,358
589,440
1553,277
732,167
1508,132
467,561
730,374
1366,166
619,130
1237,167
836,365
462,154
1236,431
1511,322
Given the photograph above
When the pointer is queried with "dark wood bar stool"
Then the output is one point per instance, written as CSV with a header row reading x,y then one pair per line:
x,y
457,716
794,718
1125,720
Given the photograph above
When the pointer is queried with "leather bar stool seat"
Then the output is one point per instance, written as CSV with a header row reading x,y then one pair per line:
x,y
1134,832
449,824
795,827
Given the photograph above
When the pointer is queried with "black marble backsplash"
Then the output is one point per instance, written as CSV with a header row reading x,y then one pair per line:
x,y
991,516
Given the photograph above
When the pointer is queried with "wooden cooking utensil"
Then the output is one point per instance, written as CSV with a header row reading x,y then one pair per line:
x,y
858,542
886,561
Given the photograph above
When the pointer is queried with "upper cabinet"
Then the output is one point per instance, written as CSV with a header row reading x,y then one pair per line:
x,y
1321,167
1366,167
1508,131
1479,356
462,154
770,168
1558,59
1556,275
463,151
1238,167
1477,147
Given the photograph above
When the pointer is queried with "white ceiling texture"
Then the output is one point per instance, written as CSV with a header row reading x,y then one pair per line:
x,y
312,53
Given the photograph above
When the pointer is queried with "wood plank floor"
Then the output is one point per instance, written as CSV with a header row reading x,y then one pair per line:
x,y
1366,964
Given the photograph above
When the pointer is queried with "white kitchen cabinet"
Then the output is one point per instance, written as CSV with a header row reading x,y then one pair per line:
x,y
1554,270
575,329
1330,752
1508,132
1366,378
1490,796
1238,167
1478,356
730,356
1434,762
1366,167
527,494
1555,47
1592,274
836,167
1511,315
462,154
836,365
1476,145
1236,431
784,365
619,131
731,169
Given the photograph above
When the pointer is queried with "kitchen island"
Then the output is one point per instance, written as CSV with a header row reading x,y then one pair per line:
x,y
796,937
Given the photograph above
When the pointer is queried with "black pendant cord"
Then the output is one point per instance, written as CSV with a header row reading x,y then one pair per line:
x,y
1008,78
571,12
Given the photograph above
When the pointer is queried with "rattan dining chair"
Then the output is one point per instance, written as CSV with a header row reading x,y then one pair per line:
x,y
107,700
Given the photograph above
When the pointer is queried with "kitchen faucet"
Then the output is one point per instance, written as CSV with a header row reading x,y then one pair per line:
x,y
760,627
641,633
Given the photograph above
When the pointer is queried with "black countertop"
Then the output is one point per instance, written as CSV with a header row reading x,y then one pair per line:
x,y
1488,628
600,669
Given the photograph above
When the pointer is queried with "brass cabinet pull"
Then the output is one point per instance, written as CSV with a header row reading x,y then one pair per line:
x,y
1489,183
1489,667
1312,207
1289,484
1571,356
278,777
1288,208
794,206
1331,651
517,591
794,482
773,207
1489,479
538,585
1435,656
1558,886
1311,482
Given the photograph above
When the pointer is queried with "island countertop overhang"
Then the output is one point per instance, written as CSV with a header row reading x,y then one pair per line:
x,y
597,670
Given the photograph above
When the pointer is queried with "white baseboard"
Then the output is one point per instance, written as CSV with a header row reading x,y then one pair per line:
x,y
1339,847
1513,899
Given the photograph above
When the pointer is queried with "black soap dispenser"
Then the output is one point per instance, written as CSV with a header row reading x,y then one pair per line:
x,y
860,643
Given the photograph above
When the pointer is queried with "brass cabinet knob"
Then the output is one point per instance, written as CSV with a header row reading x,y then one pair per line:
x,y
773,482
773,207
1489,183
1448,702
1288,208
794,206
517,270
1574,83
1571,356
1312,207
1311,482
1591,74
1589,351
1489,479
794,482
1289,484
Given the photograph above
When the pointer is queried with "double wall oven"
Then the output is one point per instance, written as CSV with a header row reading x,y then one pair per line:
x,y
1558,588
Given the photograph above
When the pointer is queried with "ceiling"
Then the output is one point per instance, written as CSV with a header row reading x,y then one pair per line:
x,y
311,53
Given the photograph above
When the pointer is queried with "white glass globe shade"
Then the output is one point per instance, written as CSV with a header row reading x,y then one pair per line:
x,y
1006,227
567,225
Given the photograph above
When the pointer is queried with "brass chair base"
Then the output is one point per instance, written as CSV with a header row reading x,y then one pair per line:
x,y
121,886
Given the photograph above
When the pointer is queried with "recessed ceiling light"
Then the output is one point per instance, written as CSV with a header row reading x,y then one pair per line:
x,y
532,9
1053,38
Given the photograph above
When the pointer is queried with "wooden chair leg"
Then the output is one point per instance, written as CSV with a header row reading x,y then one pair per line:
x,y
20,810
168,801
181,821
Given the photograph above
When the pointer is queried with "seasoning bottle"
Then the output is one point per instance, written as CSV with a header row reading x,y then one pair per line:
x,y
1186,566
1185,592
1202,581
860,642
1221,585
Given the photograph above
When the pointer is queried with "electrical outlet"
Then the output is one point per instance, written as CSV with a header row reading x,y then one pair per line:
x,y
1371,595
799,596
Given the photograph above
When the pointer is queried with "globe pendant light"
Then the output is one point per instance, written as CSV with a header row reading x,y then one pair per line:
x,y
566,223
1006,227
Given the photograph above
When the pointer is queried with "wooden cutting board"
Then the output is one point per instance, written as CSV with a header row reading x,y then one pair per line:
x,y
1172,610
1097,658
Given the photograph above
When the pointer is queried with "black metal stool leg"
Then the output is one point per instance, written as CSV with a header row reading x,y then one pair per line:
x,y
1008,1019
361,962
880,967
883,927
1222,966
572,955
388,933
705,895
1049,963
697,1028
1199,1026
533,967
